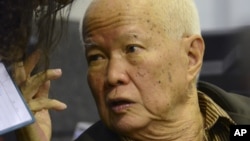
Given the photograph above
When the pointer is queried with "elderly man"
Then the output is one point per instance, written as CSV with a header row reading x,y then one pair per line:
x,y
144,57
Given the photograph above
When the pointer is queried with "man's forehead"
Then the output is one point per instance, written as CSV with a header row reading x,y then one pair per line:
x,y
102,13
160,8
120,2
116,5
103,9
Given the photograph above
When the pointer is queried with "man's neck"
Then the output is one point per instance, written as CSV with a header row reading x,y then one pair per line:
x,y
186,126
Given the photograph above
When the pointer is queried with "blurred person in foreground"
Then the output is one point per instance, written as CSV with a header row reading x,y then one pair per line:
x,y
27,37
144,58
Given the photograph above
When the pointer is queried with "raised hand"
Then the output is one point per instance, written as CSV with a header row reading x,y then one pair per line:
x,y
35,89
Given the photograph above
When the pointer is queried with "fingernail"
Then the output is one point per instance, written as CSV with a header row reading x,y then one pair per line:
x,y
58,71
63,106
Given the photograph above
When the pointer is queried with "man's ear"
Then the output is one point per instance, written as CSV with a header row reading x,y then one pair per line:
x,y
195,50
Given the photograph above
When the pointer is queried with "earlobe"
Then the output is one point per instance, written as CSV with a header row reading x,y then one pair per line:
x,y
195,51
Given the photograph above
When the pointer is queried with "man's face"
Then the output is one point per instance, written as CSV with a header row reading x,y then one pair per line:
x,y
136,73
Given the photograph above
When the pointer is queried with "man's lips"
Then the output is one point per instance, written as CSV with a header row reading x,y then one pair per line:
x,y
119,105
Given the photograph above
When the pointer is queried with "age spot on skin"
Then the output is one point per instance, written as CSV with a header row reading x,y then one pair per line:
x,y
169,77
135,36
128,5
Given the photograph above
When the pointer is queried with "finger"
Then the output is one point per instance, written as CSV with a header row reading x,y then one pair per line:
x,y
44,103
42,99
19,74
32,86
43,90
31,61
50,74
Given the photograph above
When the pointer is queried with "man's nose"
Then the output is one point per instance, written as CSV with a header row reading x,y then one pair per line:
x,y
117,73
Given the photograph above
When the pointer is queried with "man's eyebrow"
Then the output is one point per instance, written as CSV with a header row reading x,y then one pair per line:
x,y
89,44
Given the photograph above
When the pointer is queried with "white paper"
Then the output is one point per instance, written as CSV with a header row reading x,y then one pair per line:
x,y
14,112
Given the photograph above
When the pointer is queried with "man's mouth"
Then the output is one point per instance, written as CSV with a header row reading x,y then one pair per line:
x,y
120,105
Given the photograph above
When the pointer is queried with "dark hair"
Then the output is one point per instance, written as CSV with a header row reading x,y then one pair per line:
x,y
27,25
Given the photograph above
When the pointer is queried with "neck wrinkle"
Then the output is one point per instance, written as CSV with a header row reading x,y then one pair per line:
x,y
192,130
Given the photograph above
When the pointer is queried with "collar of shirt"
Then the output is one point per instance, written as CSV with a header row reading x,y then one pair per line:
x,y
216,121
212,112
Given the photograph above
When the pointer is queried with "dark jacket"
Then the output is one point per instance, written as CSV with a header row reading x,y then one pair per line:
x,y
237,106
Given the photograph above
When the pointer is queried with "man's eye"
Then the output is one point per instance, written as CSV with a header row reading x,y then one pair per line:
x,y
132,48
93,58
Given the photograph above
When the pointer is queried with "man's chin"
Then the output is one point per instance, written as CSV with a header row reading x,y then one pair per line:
x,y
128,125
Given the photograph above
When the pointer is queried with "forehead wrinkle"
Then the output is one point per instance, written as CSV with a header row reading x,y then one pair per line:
x,y
106,12
99,16
96,23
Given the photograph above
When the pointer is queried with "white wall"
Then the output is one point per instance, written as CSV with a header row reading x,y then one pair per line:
x,y
223,14
78,9
214,14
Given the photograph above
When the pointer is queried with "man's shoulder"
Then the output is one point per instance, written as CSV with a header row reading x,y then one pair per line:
x,y
236,105
98,132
